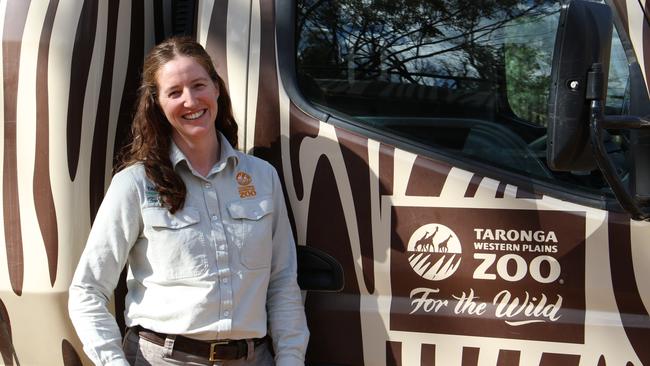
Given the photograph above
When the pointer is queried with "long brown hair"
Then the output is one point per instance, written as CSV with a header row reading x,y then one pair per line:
x,y
151,132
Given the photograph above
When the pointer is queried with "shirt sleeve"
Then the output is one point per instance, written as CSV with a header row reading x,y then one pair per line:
x,y
114,231
286,313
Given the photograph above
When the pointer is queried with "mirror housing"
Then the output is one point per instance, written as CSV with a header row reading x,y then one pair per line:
x,y
583,38
577,124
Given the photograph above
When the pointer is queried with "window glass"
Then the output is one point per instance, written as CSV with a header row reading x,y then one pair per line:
x,y
470,77
618,89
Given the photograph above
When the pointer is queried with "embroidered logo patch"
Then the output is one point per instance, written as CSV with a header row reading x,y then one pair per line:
x,y
246,189
152,196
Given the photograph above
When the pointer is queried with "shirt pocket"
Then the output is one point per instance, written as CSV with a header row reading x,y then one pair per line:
x,y
253,219
176,246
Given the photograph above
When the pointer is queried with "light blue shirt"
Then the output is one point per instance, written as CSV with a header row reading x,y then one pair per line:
x,y
221,267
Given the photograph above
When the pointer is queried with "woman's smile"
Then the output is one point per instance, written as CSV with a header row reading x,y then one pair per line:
x,y
195,115
188,98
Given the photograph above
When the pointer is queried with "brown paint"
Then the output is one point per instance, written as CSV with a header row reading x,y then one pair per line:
x,y
267,115
5,336
100,134
216,42
393,353
508,358
80,66
428,355
43,200
15,17
569,229
601,361
501,190
427,177
473,185
470,356
355,156
70,356
528,192
634,315
159,25
557,359
646,43
329,313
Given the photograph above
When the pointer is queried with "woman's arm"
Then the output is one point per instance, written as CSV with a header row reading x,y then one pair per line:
x,y
286,313
116,227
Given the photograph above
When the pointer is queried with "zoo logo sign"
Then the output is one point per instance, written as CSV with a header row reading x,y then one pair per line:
x,y
434,252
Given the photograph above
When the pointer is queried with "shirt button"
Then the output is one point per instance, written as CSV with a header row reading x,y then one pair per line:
x,y
214,217
225,280
222,247
207,185
226,313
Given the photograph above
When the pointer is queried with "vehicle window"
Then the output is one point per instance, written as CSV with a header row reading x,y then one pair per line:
x,y
618,88
468,77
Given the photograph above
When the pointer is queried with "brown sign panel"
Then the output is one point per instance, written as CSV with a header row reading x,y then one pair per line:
x,y
514,273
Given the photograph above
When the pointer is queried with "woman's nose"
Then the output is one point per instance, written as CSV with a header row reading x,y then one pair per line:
x,y
189,99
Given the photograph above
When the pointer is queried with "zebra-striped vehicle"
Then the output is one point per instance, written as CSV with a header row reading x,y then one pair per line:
x,y
468,181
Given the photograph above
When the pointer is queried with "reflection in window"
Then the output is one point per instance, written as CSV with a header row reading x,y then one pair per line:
x,y
468,77
459,75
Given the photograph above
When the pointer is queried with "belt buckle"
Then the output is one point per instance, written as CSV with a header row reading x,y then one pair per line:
x,y
213,353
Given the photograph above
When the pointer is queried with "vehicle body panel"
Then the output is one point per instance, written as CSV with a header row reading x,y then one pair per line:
x,y
70,73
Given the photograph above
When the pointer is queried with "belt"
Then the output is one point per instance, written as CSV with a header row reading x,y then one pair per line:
x,y
212,350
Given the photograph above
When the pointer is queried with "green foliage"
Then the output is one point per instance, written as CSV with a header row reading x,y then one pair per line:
x,y
527,81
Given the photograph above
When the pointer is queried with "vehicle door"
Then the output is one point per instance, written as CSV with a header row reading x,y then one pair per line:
x,y
410,137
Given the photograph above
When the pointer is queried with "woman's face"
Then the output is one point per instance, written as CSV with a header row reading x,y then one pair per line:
x,y
188,98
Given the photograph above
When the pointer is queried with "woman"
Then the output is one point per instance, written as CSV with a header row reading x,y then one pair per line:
x,y
203,228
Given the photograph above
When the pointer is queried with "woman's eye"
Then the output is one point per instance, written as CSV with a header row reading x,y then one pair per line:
x,y
173,94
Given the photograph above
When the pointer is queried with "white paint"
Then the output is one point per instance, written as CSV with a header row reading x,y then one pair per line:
x,y
487,188
120,65
403,165
602,320
456,183
636,22
40,306
203,20
36,272
237,31
253,75
72,223
510,191
374,320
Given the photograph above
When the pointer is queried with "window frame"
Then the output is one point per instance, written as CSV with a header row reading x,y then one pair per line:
x,y
285,12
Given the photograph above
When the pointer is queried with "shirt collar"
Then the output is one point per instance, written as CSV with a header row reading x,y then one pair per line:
x,y
227,154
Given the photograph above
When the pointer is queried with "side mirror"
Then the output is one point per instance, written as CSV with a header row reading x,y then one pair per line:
x,y
318,271
583,38
577,123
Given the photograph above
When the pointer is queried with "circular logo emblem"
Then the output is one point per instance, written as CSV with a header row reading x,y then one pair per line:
x,y
243,179
434,252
